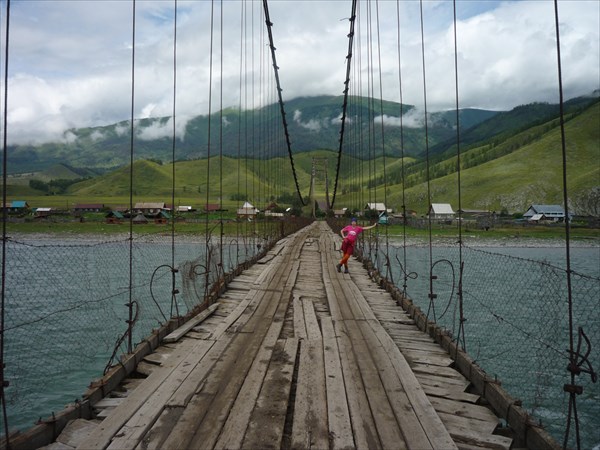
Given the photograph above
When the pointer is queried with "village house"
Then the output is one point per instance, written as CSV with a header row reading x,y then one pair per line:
x,y
42,213
212,207
379,207
17,206
149,208
88,207
115,217
247,211
441,211
552,213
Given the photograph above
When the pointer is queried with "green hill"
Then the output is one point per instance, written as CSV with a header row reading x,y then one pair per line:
x,y
507,172
528,175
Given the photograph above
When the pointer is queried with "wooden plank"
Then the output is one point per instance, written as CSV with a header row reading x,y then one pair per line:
x,y
299,324
313,332
435,430
475,432
309,424
464,409
340,427
108,402
453,394
443,382
436,371
363,424
146,415
383,413
105,431
75,433
232,434
425,358
207,410
266,424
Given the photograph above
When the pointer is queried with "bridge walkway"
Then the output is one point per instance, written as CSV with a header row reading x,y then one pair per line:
x,y
295,355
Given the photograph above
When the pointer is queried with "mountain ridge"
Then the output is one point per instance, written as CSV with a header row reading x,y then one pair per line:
x,y
314,124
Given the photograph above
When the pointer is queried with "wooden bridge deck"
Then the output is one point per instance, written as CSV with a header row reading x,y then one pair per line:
x,y
296,355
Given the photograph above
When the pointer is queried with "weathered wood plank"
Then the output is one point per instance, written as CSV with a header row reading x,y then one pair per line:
x,y
475,432
340,427
383,413
109,427
299,323
363,423
462,409
433,426
309,427
313,332
266,424
179,332
234,429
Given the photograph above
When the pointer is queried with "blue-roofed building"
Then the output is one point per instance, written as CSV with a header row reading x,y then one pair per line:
x,y
18,206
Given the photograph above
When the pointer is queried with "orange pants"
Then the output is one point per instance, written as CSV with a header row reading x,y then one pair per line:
x,y
348,249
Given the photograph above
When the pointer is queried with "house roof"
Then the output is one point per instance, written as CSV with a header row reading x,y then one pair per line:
x,y
150,205
376,206
247,205
536,217
115,214
89,206
548,210
441,208
19,204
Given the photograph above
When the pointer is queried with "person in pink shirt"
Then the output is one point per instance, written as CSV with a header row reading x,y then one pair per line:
x,y
350,235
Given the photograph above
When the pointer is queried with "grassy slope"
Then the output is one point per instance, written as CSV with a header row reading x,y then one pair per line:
x,y
531,174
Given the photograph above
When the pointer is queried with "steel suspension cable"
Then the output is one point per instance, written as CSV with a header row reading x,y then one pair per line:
x,y
461,331
173,146
431,295
131,154
574,365
3,382
280,98
221,141
352,20
382,134
402,155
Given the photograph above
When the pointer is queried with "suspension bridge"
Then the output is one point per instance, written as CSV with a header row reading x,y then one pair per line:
x,y
245,335
294,354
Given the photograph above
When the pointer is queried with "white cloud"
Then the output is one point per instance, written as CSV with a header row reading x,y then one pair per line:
x,y
162,129
414,118
70,62
312,124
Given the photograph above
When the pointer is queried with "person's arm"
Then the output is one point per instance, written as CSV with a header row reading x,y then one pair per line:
x,y
342,233
372,226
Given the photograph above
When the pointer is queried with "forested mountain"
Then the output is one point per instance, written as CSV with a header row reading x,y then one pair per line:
x,y
313,122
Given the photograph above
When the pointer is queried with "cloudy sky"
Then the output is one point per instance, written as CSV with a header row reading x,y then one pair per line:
x,y
70,62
